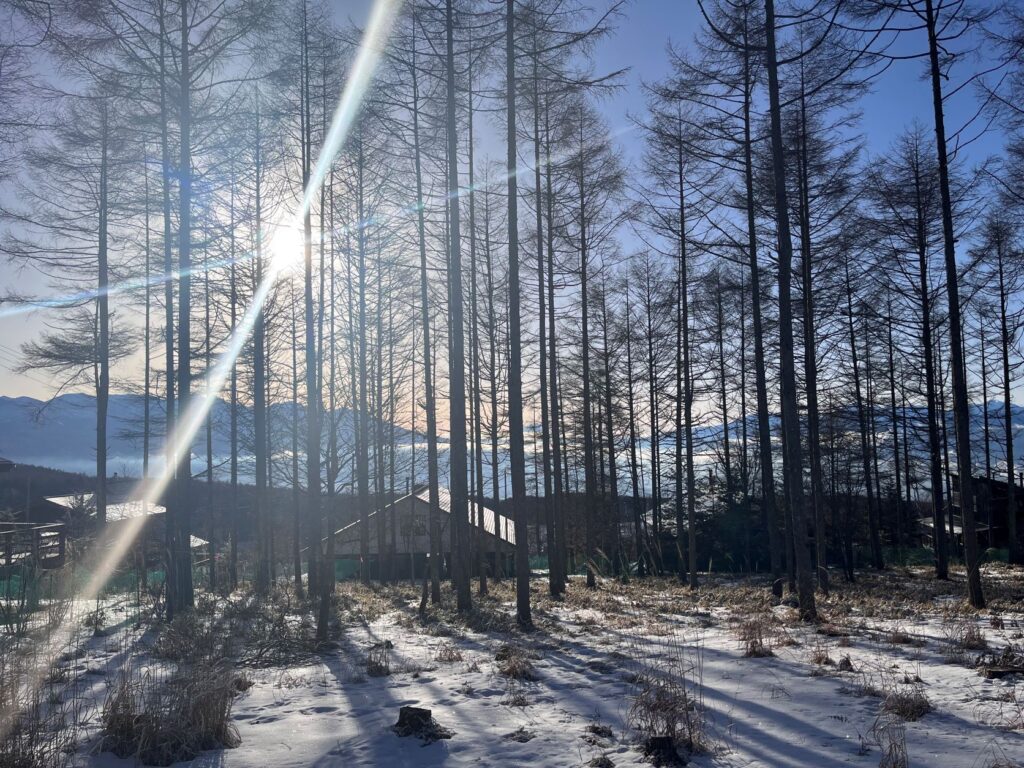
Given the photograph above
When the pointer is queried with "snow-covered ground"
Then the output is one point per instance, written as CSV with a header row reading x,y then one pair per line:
x,y
597,657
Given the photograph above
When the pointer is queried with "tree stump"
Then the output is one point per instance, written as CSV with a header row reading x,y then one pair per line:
x,y
413,719
418,722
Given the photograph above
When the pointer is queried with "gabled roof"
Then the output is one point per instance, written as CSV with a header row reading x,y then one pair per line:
x,y
495,524
492,520
125,510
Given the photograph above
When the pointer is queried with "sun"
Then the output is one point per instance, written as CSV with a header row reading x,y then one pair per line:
x,y
286,244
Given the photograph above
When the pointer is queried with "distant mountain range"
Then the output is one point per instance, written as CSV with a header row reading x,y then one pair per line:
x,y
61,434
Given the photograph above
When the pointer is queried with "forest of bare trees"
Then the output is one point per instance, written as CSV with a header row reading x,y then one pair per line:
x,y
751,340
411,308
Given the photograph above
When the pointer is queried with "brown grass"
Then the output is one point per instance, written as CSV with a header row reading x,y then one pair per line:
x,y
378,660
516,662
755,635
907,702
447,653
668,694
160,718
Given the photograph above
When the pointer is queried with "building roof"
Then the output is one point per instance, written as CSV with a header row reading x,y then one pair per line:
x,y
116,512
958,529
494,522
412,512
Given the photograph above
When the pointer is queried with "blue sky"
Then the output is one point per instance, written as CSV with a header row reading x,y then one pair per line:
x,y
898,97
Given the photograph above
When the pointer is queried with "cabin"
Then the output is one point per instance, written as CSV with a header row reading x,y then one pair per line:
x,y
992,511
126,517
403,526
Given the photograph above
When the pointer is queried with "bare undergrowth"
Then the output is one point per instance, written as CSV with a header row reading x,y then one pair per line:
x,y
162,716
668,699
41,714
756,635
516,662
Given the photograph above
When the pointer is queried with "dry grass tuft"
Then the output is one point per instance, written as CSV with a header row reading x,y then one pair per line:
x,y
899,636
890,734
447,653
820,655
668,697
161,720
516,662
961,635
755,634
378,660
907,702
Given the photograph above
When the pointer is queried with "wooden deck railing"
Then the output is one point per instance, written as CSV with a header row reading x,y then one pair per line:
x,y
42,545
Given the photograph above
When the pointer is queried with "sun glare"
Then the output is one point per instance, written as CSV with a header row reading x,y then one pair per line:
x,y
286,246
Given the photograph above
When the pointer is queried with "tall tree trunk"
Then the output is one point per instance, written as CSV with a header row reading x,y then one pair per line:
x,y
363,439
811,352
723,389
961,406
479,532
332,420
183,593
558,565
314,400
764,434
589,484
898,499
542,364
652,394
1006,341
259,380
170,503
638,511
103,326
865,453
233,416
433,514
613,478
296,485
456,340
492,342
790,414
211,512
517,459
147,421
931,394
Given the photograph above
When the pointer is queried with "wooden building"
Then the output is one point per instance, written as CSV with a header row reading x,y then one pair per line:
x,y
406,535
992,512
